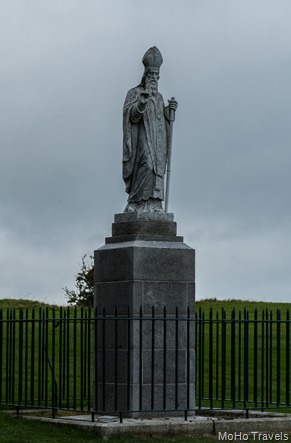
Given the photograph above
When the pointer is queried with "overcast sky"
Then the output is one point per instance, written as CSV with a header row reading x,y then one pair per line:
x,y
66,66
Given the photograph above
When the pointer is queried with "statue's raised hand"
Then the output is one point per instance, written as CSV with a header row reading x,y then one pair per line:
x,y
143,99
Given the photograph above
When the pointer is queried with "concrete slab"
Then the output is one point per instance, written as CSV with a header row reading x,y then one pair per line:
x,y
259,427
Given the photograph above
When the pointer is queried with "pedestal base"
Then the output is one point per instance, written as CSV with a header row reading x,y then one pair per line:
x,y
145,280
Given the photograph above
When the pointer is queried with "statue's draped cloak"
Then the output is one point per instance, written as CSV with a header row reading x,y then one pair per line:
x,y
145,142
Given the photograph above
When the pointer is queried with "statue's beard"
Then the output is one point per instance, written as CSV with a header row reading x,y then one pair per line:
x,y
152,87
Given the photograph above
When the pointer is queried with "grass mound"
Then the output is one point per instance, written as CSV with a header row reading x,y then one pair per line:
x,y
18,303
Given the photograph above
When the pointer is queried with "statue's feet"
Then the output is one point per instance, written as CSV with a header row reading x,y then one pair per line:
x,y
130,207
150,205
156,205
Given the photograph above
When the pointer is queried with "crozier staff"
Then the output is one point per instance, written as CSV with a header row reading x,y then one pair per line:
x,y
146,134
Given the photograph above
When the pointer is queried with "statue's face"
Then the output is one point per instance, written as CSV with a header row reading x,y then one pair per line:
x,y
151,80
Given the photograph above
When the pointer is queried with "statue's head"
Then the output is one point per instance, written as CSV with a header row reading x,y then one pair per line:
x,y
152,61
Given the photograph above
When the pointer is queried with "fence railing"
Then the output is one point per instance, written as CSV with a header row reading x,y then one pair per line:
x,y
46,358
242,358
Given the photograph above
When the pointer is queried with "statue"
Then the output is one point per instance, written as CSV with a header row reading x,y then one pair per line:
x,y
146,138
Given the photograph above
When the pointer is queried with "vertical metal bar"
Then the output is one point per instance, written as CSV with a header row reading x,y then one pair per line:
x,y
270,347
54,383
60,357
46,341
85,352
256,358
89,323
210,380
81,322
287,387
200,359
217,355
13,355
96,359
32,354
64,359
1,352
263,361
246,358
11,358
20,356
223,358
128,359
115,358
176,358
267,358
233,349
278,399
68,357
196,349
26,376
7,357
203,354
40,357
153,360
75,359
104,358
140,357
165,359
239,355
188,360
43,357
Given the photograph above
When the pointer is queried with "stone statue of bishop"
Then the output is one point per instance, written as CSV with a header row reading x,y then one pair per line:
x,y
146,133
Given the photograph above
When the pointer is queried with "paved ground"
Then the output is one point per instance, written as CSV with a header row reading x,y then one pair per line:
x,y
258,427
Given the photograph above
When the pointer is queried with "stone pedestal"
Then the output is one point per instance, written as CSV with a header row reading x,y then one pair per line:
x,y
144,363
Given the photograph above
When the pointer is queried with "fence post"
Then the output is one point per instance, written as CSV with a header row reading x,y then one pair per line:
x,y
263,388
288,357
256,357
233,349
278,357
223,358
1,352
211,357
246,357
200,359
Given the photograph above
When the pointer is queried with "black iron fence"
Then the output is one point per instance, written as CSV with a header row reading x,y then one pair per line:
x,y
242,359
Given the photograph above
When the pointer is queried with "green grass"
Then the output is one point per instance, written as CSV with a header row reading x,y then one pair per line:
x,y
269,379
30,342
266,360
231,304
16,430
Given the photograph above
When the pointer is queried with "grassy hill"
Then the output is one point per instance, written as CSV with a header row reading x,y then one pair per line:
x,y
205,304
240,305
22,303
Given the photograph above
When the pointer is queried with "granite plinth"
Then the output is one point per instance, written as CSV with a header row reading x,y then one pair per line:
x,y
145,266
143,223
144,216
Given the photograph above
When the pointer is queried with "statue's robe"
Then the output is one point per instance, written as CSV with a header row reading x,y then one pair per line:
x,y
145,146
